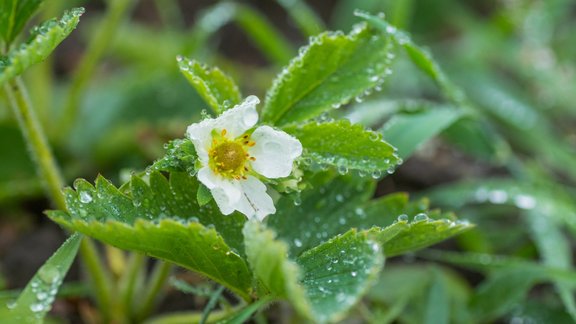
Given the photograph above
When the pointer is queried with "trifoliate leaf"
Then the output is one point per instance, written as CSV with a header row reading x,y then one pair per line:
x,y
333,69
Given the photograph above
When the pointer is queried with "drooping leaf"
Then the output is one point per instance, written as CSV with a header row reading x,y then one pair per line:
x,y
346,146
408,131
216,88
14,14
330,71
37,298
162,219
44,40
186,243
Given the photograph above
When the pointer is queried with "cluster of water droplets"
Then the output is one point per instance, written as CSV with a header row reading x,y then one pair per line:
x,y
44,287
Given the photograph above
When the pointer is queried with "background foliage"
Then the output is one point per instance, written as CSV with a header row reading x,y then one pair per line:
x,y
478,98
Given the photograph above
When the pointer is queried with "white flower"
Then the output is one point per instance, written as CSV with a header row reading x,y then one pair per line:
x,y
232,159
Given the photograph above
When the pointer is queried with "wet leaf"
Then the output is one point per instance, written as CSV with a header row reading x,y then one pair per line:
x,y
333,69
186,243
217,89
36,299
44,40
345,146
322,283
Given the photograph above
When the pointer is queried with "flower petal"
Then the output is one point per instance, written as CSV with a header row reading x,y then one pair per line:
x,y
275,152
201,136
239,119
226,192
255,201
236,121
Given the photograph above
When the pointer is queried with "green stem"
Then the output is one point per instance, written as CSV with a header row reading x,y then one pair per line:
x,y
37,144
157,280
106,30
50,175
101,280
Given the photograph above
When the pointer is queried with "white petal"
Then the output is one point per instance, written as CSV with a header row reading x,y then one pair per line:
x,y
201,136
239,119
223,201
255,201
275,152
236,121
226,192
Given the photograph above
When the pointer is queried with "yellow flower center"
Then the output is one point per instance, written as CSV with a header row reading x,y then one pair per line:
x,y
229,157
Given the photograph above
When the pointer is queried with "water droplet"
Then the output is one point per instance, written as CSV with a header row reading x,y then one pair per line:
x,y
342,169
403,218
85,197
179,58
353,273
497,196
376,174
297,243
336,105
37,307
420,217
524,201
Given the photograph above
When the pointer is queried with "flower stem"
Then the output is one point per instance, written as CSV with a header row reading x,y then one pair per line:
x,y
50,176
37,144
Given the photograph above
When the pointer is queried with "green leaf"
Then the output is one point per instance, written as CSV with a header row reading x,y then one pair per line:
x,y
44,40
325,281
186,243
555,250
336,205
420,233
333,69
162,219
37,298
338,273
277,274
437,303
347,146
409,131
502,291
14,14
216,88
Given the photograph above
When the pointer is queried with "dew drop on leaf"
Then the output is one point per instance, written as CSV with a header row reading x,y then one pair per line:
x,y
85,197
